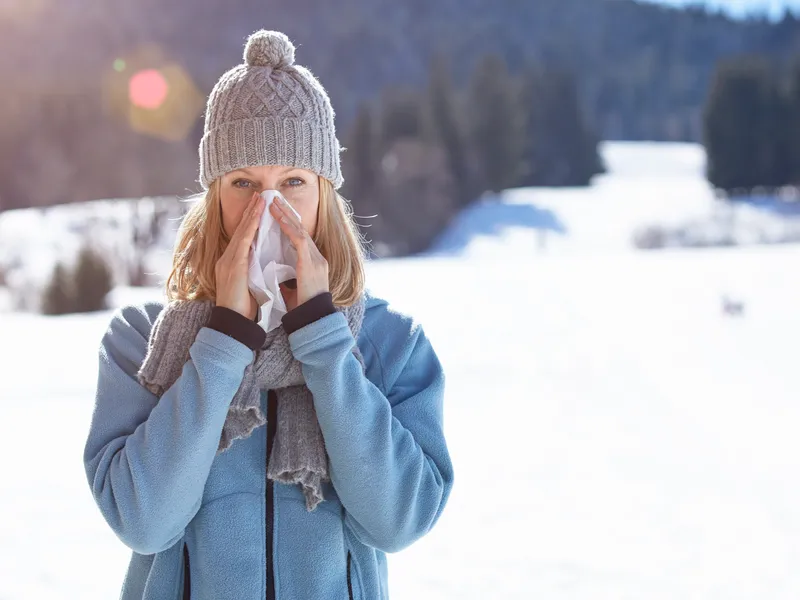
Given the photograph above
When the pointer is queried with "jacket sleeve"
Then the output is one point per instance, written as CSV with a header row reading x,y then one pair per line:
x,y
147,459
389,462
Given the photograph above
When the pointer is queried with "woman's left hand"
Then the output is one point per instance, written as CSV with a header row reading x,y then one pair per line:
x,y
312,268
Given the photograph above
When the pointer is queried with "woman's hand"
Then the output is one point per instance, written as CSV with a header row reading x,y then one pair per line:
x,y
232,267
312,268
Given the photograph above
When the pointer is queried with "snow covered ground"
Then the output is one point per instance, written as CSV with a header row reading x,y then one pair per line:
x,y
647,185
614,435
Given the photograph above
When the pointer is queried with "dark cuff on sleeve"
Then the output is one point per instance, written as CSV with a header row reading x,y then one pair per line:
x,y
239,327
312,310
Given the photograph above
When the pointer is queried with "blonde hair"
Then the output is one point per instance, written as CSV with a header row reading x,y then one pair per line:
x,y
202,240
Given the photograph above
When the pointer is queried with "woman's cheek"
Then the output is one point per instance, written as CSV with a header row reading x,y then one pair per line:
x,y
231,216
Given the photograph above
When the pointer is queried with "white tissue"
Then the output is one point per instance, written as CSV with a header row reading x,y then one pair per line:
x,y
273,260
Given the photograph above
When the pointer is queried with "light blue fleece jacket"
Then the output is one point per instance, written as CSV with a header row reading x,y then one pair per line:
x,y
154,473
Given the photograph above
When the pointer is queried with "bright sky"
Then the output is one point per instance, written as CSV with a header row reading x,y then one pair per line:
x,y
774,8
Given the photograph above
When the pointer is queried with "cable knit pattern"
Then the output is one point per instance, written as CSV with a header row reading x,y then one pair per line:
x,y
298,455
269,111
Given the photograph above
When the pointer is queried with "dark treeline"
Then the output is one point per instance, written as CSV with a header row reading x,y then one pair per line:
x,y
642,72
752,126
416,157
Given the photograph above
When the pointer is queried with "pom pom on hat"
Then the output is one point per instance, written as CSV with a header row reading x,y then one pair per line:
x,y
269,49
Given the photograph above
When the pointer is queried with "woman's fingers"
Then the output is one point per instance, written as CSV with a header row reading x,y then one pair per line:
x,y
312,268
289,222
231,268
288,209
246,230
237,233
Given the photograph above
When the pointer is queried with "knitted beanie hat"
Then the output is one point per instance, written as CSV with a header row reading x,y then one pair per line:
x,y
269,111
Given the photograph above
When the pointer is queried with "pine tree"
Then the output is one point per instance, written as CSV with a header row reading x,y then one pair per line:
x,y
446,125
743,120
361,158
532,97
59,297
411,193
778,171
401,117
792,130
496,133
559,148
92,281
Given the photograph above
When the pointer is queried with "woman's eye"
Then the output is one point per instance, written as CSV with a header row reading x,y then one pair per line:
x,y
241,184
295,182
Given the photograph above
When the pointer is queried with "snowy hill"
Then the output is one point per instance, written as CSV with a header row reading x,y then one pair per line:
x,y
646,184
614,434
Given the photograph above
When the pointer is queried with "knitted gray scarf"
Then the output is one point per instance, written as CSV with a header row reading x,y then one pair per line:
x,y
298,453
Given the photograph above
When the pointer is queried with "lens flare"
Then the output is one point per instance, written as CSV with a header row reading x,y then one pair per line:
x,y
152,94
148,89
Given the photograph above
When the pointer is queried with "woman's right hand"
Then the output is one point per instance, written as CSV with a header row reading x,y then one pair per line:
x,y
232,267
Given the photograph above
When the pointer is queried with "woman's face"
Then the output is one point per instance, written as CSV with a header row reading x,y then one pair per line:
x,y
300,187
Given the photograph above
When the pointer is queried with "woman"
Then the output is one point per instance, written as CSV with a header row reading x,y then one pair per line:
x,y
351,463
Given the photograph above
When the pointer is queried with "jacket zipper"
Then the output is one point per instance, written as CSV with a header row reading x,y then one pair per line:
x,y
187,585
272,426
349,583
